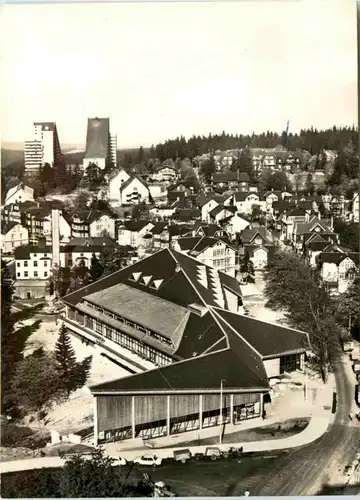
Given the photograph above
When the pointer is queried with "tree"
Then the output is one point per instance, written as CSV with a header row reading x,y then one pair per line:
x,y
348,234
141,154
93,175
207,169
96,269
96,478
255,212
36,386
247,268
245,163
298,290
72,374
65,359
59,281
113,260
277,181
347,307
80,276
139,211
309,185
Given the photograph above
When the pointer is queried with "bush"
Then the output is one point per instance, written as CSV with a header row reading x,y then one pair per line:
x,y
14,436
38,483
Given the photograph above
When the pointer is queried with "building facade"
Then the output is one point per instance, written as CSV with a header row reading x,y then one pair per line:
x,y
45,143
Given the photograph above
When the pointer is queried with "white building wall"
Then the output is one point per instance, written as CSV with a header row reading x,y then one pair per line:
x,y
16,237
134,193
18,195
104,223
206,209
272,367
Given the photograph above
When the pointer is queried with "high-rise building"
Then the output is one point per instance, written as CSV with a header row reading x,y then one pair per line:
x,y
44,148
113,149
33,155
100,145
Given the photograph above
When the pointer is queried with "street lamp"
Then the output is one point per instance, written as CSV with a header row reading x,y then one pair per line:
x,y
221,408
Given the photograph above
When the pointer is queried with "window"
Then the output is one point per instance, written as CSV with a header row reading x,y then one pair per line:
x,y
18,275
25,263
45,274
35,274
35,263
18,264
45,254
81,255
35,255
26,274
45,263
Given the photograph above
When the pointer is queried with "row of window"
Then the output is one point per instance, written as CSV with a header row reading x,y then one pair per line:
x,y
122,339
222,262
35,275
130,323
35,263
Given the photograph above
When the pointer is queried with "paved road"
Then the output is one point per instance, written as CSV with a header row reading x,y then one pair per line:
x,y
306,469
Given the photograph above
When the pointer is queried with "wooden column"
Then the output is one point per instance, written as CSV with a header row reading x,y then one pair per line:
x,y
200,411
231,408
168,415
133,417
261,404
96,423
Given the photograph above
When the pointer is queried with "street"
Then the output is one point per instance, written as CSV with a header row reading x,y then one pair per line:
x,y
303,471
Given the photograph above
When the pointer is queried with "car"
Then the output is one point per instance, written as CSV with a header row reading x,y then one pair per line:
x,y
148,460
117,461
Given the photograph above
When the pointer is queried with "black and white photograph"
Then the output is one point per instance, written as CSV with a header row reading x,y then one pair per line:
x,y
180,249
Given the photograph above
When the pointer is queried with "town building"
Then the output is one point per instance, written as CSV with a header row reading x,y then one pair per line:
x,y
134,191
165,173
44,148
115,181
245,201
214,252
93,223
19,194
13,235
355,207
338,269
100,147
173,323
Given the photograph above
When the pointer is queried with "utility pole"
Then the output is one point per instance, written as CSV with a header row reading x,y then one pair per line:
x,y
358,65
221,409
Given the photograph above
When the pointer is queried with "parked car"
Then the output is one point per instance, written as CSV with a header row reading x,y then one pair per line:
x,y
148,460
118,461
182,455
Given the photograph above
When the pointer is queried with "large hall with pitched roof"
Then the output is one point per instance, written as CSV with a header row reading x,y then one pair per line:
x,y
194,359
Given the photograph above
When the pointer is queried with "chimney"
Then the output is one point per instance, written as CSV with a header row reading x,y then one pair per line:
x,y
55,231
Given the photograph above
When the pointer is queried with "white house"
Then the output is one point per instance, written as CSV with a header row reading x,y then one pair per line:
x,y
165,173
132,233
134,191
103,224
116,180
258,255
19,194
244,202
213,252
158,193
13,235
207,208
236,224
337,269
162,212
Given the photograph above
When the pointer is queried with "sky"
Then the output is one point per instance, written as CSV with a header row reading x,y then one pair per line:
x,y
161,70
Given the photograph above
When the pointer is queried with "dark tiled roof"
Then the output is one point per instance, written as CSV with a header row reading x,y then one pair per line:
x,y
209,229
202,199
306,227
216,210
188,213
241,196
225,176
91,244
337,257
8,226
97,138
90,216
23,252
268,339
176,195
244,177
158,228
249,234
135,225
129,181
178,230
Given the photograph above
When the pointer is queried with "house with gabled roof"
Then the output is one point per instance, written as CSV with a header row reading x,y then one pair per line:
x,y
244,201
133,232
259,236
13,234
165,173
115,181
93,223
218,253
19,194
132,192
174,323
338,269
312,224
221,212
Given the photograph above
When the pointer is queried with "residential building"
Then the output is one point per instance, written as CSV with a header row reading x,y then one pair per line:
x,y
93,223
159,193
338,269
13,235
244,201
134,191
243,181
259,256
99,148
220,213
19,194
256,236
214,252
38,220
225,179
173,322
132,233
113,149
115,181
165,173
235,224
33,156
